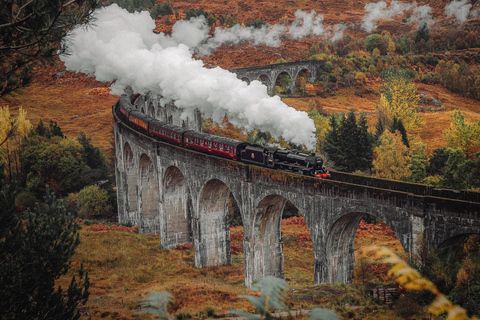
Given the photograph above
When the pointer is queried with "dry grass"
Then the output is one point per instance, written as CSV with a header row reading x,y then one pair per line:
x,y
124,266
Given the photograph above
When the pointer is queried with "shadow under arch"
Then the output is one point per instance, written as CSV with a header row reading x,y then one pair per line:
x,y
178,208
267,243
301,78
149,196
211,229
448,249
284,81
130,185
340,259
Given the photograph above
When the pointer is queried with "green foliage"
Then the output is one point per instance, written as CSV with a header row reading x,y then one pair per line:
x,y
25,200
431,59
133,5
349,144
96,168
162,9
456,170
422,32
92,202
463,135
373,41
35,250
257,23
399,99
31,31
53,129
57,162
418,163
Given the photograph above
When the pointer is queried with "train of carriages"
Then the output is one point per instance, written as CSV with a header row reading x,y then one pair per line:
x,y
271,157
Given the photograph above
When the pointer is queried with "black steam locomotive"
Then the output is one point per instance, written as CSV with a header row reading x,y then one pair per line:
x,y
272,157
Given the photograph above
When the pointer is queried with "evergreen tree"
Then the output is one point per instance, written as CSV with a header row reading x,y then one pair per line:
x,y
35,249
332,141
31,31
437,162
418,163
379,128
348,142
397,125
364,146
422,32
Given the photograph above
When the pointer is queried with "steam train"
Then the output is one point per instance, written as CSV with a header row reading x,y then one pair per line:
x,y
271,157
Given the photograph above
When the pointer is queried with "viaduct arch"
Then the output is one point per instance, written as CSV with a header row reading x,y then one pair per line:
x,y
182,195
268,74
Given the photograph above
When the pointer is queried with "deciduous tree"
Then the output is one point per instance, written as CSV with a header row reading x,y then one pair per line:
x,y
391,158
399,99
12,131
462,135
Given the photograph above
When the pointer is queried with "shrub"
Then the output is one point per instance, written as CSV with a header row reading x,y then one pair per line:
x,y
92,201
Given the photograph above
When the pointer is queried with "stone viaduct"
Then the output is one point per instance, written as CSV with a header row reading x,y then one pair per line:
x,y
268,74
182,195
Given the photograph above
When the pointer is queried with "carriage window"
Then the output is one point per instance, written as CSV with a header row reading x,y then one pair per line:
x,y
209,144
215,145
196,140
220,147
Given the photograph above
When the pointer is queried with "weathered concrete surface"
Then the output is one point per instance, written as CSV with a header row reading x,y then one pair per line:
x,y
190,205
268,74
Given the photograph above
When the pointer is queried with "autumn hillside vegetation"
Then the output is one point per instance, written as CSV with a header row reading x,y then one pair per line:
x,y
400,102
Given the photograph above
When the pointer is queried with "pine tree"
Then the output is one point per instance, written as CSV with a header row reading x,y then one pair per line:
x,y
397,125
31,31
332,145
35,249
418,163
364,146
348,142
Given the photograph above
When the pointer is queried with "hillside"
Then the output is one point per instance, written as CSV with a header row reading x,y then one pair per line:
x,y
80,103
125,266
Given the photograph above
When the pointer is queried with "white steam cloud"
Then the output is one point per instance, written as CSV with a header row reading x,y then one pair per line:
x,y
380,10
121,47
194,32
459,8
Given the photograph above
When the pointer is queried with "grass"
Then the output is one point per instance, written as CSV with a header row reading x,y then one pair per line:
x,y
125,266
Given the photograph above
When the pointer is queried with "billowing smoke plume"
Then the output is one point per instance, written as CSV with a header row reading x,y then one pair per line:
x,y
194,32
459,8
380,10
121,47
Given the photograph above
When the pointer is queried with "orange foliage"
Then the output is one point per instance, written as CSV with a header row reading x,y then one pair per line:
x,y
105,227
187,246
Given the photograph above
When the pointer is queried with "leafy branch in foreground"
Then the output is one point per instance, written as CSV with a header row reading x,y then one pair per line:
x,y
410,279
272,294
157,304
